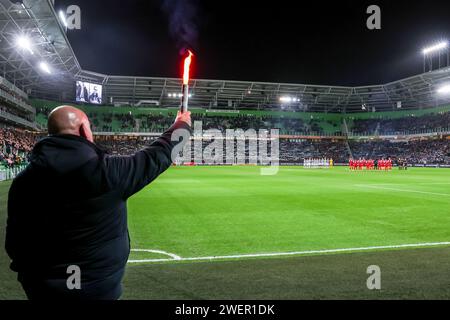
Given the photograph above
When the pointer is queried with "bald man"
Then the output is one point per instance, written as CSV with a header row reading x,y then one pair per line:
x,y
67,233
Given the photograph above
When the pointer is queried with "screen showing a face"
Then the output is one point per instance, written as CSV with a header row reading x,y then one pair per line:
x,y
89,92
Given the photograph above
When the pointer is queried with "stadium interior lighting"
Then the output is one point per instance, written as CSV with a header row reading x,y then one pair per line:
x,y
45,67
289,99
440,46
178,95
444,89
24,43
62,17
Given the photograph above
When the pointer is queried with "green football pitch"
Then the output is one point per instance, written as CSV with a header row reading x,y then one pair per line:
x,y
232,233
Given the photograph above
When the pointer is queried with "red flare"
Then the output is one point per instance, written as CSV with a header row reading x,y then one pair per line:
x,y
187,68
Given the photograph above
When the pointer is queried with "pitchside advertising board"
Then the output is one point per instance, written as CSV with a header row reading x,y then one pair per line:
x,y
87,92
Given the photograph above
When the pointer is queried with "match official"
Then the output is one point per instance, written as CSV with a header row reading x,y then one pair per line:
x,y
67,211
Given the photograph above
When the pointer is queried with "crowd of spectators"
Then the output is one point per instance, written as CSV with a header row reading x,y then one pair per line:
x,y
124,146
435,151
294,151
129,122
405,125
15,146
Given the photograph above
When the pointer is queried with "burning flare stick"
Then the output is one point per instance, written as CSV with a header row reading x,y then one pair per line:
x,y
187,67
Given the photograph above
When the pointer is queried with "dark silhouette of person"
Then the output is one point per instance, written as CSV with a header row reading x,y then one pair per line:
x,y
68,209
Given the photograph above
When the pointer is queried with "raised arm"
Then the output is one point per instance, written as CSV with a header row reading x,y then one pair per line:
x,y
132,173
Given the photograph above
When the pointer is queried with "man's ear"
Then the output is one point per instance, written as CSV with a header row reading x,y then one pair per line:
x,y
85,131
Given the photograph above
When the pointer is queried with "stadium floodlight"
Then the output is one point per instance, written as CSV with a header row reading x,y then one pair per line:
x,y
178,95
288,99
45,67
24,43
175,95
437,47
62,17
444,89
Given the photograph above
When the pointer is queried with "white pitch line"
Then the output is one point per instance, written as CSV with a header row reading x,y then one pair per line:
x,y
295,253
402,190
174,256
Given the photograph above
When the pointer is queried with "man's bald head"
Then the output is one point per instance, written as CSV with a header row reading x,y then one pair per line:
x,y
69,120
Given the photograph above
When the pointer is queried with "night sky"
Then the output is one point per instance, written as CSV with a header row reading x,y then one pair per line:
x,y
312,42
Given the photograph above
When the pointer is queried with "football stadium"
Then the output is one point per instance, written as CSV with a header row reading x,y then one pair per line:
x,y
284,191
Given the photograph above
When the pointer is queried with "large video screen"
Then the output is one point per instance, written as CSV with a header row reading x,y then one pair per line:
x,y
89,92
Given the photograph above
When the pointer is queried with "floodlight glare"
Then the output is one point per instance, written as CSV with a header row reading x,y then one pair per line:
x,y
444,89
62,16
45,67
24,43
440,46
288,99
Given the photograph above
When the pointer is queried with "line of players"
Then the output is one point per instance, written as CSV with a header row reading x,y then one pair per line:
x,y
363,164
315,163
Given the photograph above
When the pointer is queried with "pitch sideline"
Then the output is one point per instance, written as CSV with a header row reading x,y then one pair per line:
x,y
176,258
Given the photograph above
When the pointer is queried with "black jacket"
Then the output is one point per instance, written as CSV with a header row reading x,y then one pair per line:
x,y
68,207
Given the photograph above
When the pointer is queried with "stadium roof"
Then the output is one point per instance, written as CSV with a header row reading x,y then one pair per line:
x,y
38,21
414,92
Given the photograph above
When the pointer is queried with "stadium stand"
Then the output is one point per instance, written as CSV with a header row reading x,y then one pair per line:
x,y
128,119
407,125
136,122
418,152
124,130
15,146
304,136
294,151
16,116
16,143
14,107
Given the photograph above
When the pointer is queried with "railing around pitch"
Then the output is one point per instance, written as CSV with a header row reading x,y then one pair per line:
x,y
10,173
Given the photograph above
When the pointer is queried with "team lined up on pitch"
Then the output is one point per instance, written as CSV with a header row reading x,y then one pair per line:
x,y
363,164
318,163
